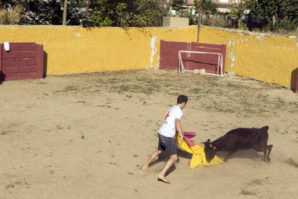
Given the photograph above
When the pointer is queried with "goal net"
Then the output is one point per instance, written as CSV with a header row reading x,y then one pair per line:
x,y
219,69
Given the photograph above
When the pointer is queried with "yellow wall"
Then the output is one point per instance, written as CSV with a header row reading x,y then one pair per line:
x,y
259,56
80,50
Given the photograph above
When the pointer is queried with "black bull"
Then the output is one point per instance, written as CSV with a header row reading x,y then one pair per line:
x,y
241,138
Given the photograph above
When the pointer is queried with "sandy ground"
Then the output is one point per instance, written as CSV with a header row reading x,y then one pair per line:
x,y
86,136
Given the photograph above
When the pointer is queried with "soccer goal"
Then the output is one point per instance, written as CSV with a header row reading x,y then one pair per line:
x,y
219,69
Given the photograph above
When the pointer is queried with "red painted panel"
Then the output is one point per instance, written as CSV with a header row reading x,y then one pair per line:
x,y
17,53
23,61
169,56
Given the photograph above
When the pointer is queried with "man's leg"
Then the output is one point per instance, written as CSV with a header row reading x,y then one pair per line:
x,y
153,156
170,162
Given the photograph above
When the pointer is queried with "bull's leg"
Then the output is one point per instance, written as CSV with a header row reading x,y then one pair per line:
x,y
228,156
269,148
265,153
262,148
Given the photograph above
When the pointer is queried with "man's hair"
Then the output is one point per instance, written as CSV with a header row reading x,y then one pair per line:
x,y
181,99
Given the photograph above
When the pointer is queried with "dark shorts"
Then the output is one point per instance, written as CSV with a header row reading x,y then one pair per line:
x,y
167,143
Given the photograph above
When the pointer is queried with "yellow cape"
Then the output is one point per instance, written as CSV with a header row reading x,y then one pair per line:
x,y
198,155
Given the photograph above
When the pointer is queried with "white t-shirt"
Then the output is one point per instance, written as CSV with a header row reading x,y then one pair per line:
x,y
168,129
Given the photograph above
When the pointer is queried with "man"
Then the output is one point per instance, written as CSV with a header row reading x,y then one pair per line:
x,y
166,137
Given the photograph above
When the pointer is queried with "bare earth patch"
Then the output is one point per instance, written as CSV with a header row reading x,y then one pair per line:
x,y
86,136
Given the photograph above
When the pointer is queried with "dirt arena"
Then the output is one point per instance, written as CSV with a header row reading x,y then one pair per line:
x,y
86,136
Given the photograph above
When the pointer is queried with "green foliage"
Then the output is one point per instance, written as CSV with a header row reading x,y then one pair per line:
x,y
285,24
42,12
207,5
275,14
176,4
217,20
242,26
128,13
237,12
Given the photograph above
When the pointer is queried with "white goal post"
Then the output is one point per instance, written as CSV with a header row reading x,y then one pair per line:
x,y
219,70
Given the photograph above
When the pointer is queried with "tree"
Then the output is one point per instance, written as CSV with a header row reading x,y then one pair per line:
x,y
125,13
42,12
276,13
237,12
49,11
176,4
207,5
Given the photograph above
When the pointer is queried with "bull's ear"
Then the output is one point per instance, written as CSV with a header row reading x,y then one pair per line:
x,y
207,143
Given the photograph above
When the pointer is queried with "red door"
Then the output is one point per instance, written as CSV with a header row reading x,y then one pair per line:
x,y
22,61
208,59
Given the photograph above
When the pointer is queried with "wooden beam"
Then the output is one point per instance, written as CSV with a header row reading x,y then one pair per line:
x,y
199,21
64,13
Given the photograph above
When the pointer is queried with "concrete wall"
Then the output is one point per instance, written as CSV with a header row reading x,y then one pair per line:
x,y
79,50
175,21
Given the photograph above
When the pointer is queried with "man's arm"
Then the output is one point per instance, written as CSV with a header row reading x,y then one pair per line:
x,y
179,129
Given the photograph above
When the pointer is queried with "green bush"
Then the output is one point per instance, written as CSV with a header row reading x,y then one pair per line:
x,y
285,24
138,13
276,14
217,21
242,26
